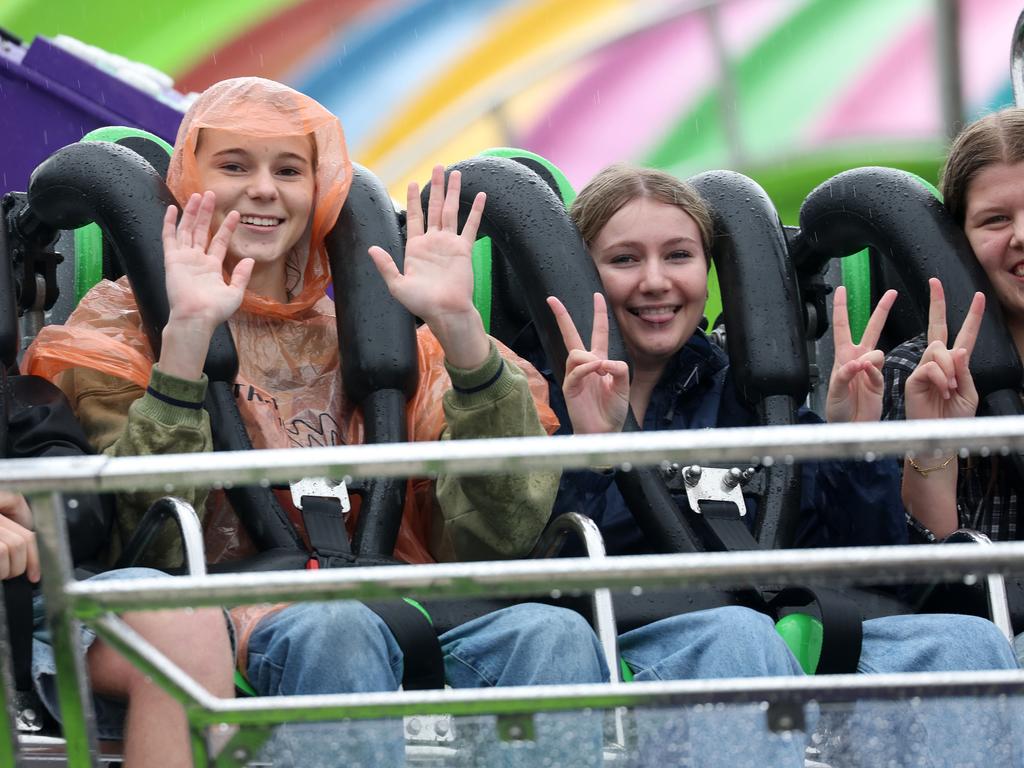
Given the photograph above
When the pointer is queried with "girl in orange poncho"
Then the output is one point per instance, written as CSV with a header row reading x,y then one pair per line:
x,y
264,169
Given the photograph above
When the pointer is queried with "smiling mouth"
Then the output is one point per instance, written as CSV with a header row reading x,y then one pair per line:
x,y
655,314
261,221
1018,269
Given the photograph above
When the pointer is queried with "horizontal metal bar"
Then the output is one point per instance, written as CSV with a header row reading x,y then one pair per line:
x,y
748,445
666,693
532,577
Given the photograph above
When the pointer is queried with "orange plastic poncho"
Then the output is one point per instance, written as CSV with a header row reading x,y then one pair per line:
x,y
289,388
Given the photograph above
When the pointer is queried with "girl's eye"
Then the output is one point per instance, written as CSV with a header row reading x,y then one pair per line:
x,y
290,172
232,168
622,258
996,219
679,255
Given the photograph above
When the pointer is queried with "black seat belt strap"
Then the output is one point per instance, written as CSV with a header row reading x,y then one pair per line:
x,y
325,527
841,618
18,605
728,528
842,626
423,667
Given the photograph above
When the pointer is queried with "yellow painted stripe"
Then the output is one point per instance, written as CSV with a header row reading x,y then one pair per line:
x,y
519,114
517,34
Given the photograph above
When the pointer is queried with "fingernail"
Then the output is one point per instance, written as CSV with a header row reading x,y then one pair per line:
x,y
952,382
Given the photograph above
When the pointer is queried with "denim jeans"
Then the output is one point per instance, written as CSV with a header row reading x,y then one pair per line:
x,y
738,642
342,647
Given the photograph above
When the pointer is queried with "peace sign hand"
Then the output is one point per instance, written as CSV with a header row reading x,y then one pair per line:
x,y
596,389
856,384
437,282
941,387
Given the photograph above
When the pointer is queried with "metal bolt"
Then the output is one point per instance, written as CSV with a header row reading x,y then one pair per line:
x,y
748,475
413,726
732,479
441,728
692,475
29,717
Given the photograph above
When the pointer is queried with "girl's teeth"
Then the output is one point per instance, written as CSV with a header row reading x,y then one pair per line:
x,y
259,221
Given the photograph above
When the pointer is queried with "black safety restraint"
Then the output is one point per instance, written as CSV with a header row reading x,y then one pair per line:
x,y
18,605
423,666
842,620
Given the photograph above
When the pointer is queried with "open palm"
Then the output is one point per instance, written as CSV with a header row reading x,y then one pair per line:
x,y
437,277
194,264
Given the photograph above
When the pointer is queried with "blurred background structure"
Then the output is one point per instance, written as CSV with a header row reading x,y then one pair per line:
x,y
787,91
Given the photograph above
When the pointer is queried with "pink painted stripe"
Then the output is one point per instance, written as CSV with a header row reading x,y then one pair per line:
x,y
986,30
634,89
897,97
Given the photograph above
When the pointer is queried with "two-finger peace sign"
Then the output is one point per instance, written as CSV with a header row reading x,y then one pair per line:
x,y
942,386
855,386
596,389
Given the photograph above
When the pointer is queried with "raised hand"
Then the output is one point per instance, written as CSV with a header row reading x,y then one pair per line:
x,y
199,298
194,264
596,389
856,384
18,552
437,282
941,387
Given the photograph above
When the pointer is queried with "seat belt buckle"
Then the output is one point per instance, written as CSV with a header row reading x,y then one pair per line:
x,y
323,487
715,484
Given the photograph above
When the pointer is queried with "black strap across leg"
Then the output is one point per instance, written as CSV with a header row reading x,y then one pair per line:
x,y
18,605
842,624
842,620
423,665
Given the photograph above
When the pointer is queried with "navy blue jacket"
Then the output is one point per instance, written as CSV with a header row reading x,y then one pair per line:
x,y
843,503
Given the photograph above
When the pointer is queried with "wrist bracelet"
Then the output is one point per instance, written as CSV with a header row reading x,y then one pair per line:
x,y
925,471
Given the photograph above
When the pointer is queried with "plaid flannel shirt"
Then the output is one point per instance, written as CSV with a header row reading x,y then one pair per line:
x,y
987,488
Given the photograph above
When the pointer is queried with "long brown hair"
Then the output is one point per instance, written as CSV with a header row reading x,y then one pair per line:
x,y
995,138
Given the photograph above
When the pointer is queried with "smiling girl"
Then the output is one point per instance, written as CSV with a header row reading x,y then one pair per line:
x,y
650,237
983,188
262,172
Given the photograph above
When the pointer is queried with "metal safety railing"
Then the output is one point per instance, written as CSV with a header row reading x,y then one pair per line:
x,y
70,602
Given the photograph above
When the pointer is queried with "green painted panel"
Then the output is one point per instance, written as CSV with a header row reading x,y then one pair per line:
x,y
785,81
171,36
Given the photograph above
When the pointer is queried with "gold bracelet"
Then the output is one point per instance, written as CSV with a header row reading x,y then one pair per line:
x,y
925,471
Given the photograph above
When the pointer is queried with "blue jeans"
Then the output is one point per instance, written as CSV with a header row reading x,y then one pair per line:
x,y
343,647
738,642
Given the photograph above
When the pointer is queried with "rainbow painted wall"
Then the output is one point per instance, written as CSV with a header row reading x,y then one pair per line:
x,y
818,84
